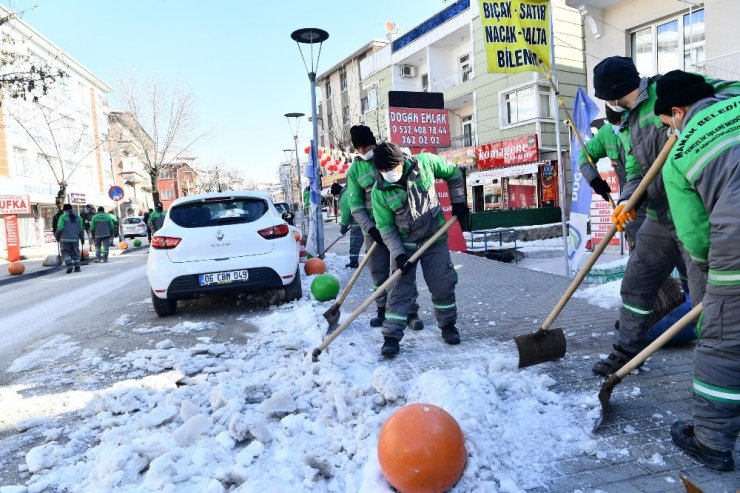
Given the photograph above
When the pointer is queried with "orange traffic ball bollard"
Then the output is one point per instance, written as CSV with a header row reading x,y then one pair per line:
x,y
123,245
421,448
16,268
297,236
314,266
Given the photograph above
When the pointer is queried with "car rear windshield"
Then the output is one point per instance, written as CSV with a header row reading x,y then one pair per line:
x,y
131,220
215,212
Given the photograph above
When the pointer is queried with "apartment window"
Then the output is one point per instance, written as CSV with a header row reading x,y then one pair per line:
x,y
676,43
166,194
425,82
165,174
330,122
466,69
372,97
345,115
526,104
467,130
22,166
342,79
364,104
328,90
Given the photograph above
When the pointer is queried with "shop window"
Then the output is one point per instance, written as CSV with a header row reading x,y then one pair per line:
x,y
676,43
525,104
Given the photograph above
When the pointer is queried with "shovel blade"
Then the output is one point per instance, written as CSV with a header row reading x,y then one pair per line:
x,y
604,395
540,347
332,316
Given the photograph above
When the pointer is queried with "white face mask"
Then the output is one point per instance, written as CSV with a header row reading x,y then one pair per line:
x,y
393,175
368,155
616,107
675,126
616,129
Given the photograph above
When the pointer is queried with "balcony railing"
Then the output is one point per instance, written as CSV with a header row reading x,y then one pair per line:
x,y
463,141
451,81
720,67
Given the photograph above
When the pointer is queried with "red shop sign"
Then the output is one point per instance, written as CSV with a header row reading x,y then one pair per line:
x,y
509,152
416,127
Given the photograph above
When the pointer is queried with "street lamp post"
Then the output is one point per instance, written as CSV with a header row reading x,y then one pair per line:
x,y
297,117
312,36
289,195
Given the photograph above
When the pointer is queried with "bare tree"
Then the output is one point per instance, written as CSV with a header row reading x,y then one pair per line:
x,y
21,75
62,142
218,178
163,124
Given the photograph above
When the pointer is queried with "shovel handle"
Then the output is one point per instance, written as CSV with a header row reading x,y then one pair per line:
x,y
393,277
660,341
628,206
321,255
356,274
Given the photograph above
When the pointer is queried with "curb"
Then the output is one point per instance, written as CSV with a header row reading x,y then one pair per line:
x,y
41,272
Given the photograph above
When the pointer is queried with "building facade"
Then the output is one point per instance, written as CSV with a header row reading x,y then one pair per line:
x,y
663,35
490,114
177,179
60,138
130,172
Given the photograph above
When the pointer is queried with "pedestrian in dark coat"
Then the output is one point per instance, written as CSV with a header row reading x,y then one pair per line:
x,y
70,231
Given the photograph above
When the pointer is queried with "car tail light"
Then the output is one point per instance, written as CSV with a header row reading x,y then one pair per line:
x,y
165,242
274,232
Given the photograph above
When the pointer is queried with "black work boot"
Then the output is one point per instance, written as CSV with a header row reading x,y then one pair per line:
x,y
379,319
353,264
77,268
413,321
69,269
450,334
682,433
390,347
616,360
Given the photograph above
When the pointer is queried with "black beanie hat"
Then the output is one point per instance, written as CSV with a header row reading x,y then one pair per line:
x,y
615,77
101,209
362,136
387,155
679,88
67,207
336,188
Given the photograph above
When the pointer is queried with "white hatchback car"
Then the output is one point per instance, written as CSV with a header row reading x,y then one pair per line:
x,y
133,226
219,242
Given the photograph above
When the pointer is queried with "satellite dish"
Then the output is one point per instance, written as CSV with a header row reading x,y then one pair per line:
x,y
390,27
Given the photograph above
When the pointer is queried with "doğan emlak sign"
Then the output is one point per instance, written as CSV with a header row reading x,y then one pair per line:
x,y
516,35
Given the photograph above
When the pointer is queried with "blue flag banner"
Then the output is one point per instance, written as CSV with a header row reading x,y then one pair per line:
x,y
584,112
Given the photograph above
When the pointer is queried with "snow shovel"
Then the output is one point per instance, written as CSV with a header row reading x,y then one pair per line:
x,y
608,386
332,314
547,345
53,260
321,255
393,277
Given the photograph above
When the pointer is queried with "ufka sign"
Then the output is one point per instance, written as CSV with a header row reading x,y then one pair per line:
x,y
416,127
15,204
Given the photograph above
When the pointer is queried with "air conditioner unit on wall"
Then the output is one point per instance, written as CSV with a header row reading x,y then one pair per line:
x,y
408,71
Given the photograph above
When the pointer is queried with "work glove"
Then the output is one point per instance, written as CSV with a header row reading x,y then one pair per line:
x,y
343,230
375,235
460,210
601,187
402,262
621,218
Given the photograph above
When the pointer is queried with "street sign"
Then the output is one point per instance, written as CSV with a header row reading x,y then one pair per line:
x,y
77,198
115,193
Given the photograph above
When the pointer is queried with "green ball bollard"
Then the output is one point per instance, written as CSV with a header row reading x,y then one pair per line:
x,y
137,242
325,287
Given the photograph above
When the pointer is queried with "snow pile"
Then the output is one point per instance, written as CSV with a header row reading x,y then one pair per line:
x,y
603,295
45,352
186,327
261,416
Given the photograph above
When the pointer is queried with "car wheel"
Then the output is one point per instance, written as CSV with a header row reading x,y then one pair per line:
x,y
164,307
294,291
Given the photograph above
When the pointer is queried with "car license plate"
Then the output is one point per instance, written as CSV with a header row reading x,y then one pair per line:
x,y
227,277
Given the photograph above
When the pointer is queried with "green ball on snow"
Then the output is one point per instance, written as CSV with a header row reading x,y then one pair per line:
x,y
325,287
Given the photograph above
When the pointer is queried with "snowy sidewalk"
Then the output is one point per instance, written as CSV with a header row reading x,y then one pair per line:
x,y
498,301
